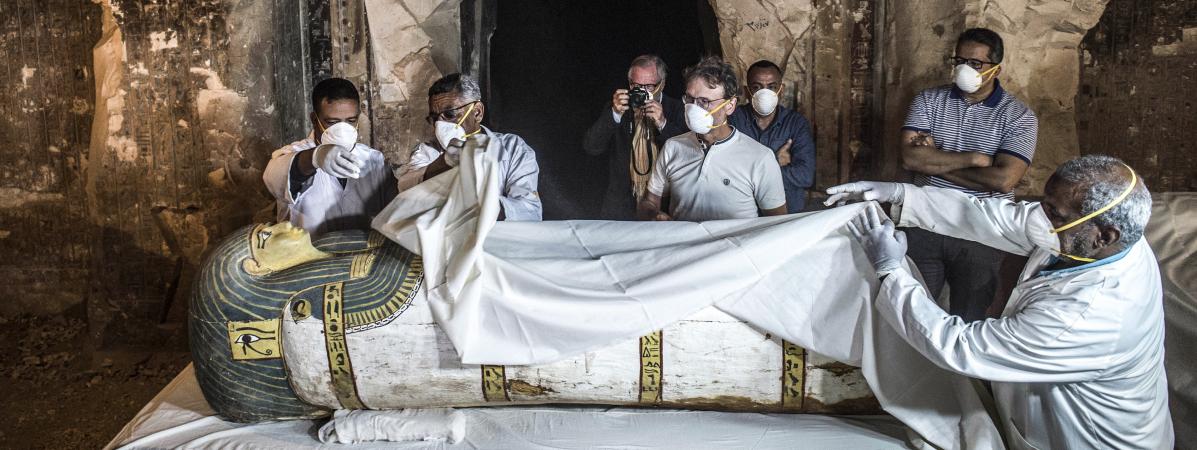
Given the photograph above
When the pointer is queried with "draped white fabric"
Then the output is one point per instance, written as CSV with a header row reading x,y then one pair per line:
x,y
525,293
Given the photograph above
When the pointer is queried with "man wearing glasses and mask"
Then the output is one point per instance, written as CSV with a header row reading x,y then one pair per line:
x,y
714,172
329,181
455,110
974,137
633,129
783,130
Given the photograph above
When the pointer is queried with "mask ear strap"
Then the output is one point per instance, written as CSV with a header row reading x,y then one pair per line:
x,y
991,69
467,114
1125,193
720,106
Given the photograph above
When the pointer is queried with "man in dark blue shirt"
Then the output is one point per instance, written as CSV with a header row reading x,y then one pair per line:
x,y
783,130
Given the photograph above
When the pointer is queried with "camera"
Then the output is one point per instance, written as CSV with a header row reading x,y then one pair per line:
x,y
638,97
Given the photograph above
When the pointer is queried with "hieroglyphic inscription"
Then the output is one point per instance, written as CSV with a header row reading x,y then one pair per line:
x,y
650,368
494,384
793,375
339,364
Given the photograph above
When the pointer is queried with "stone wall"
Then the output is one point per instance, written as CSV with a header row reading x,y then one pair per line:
x,y
412,43
46,103
1138,73
1041,65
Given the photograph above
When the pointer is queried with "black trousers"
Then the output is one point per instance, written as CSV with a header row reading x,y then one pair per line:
x,y
970,268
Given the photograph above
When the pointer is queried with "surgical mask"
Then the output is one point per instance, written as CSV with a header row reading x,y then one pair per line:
x,y
1059,241
700,120
968,79
447,132
341,134
764,101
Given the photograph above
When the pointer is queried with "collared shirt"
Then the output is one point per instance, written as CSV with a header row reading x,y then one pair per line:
x,y
518,174
999,124
799,175
323,203
733,179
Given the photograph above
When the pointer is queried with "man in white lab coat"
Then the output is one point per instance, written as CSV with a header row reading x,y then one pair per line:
x,y
1077,358
329,181
455,111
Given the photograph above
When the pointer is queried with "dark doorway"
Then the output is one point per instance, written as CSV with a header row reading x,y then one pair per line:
x,y
554,66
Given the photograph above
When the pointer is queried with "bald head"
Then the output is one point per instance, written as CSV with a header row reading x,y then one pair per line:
x,y
1086,184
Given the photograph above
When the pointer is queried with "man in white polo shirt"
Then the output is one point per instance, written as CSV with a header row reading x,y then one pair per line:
x,y
713,172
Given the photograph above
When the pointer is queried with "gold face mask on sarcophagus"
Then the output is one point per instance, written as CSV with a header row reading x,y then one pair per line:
x,y
286,327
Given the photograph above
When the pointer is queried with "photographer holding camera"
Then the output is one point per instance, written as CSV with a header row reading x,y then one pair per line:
x,y
632,129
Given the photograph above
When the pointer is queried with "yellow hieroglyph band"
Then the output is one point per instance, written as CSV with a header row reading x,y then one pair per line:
x,y
339,365
650,368
793,375
494,384
1125,193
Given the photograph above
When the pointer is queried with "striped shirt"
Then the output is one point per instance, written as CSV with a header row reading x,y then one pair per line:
x,y
999,124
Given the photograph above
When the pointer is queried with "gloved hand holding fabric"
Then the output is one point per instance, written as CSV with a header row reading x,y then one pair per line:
x,y
885,247
865,190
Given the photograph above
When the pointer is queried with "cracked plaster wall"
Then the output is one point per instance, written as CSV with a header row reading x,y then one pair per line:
x,y
412,43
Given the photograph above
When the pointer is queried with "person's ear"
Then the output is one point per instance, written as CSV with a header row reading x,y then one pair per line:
x,y
480,112
1108,236
731,105
747,92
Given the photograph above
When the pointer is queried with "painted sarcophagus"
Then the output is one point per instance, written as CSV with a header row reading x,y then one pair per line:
x,y
283,327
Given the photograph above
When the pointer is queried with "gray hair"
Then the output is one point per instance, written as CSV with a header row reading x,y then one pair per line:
x,y
653,61
1099,176
463,85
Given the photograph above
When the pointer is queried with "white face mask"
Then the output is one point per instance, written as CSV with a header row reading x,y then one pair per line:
x,y
341,134
968,79
447,132
764,101
700,120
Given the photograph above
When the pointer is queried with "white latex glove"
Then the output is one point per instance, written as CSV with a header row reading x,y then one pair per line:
x,y
885,247
865,190
338,161
335,154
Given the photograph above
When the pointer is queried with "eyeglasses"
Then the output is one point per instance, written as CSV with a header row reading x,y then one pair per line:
x,y
647,87
448,115
974,63
703,103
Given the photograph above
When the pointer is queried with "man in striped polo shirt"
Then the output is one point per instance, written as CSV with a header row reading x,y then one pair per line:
x,y
974,137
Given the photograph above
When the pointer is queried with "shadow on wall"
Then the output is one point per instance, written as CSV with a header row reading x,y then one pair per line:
x,y
551,81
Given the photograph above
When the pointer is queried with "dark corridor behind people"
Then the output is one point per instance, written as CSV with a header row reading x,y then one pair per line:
x,y
550,91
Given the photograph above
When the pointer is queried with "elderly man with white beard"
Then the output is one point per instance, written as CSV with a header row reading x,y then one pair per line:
x,y
1076,359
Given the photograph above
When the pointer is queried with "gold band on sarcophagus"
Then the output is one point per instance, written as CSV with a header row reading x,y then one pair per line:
x,y
360,266
494,384
375,239
793,376
650,368
339,364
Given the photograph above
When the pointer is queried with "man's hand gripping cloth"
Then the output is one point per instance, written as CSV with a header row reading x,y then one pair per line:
x,y
535,292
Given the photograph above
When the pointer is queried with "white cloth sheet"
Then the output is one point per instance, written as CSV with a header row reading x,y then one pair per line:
x,y
1173,235
179,418
526,293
